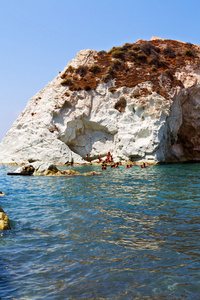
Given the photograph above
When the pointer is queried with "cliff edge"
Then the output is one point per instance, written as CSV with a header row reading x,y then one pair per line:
x,y
140,101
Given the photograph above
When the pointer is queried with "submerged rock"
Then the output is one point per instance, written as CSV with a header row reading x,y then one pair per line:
x,y
91,173
65,173
4,220
57,172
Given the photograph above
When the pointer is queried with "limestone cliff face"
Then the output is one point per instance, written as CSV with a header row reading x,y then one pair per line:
x,y
140,102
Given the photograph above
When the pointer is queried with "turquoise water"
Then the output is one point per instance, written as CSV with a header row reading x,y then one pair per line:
x,y
124,234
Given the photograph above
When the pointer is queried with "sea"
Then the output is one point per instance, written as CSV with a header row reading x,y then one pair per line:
x,y
122,234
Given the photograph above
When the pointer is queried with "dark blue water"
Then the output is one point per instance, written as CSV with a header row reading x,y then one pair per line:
x,y
124,234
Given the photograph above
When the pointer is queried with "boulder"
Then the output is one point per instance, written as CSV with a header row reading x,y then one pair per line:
x,y
52,170
91,173
2,194
26,170
4,220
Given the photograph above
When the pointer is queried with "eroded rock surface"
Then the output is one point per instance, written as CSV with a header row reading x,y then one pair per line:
x,y
140,101
44,169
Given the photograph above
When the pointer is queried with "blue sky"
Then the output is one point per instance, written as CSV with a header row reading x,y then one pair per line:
x,y
38,38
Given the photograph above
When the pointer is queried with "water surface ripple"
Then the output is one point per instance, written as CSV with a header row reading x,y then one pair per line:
x,y
124,234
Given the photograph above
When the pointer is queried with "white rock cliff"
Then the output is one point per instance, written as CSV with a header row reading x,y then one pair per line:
x,y
137,122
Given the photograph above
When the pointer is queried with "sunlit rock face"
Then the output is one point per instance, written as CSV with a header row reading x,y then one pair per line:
x,y
4,220
140,102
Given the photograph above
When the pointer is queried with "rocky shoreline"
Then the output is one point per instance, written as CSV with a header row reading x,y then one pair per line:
x,y
45,169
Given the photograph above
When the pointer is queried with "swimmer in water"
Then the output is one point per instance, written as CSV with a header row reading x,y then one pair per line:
x,y
103,166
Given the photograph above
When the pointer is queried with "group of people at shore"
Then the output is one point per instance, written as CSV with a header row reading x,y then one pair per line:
x,y
109,161
104,166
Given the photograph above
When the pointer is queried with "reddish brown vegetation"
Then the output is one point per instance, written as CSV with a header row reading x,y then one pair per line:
x,y
132,64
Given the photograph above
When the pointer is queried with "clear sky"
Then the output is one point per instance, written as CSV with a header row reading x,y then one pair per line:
x,y
39,37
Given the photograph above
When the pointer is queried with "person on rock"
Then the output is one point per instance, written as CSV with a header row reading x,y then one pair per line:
x,y
99,160
144,166
109,157
87,157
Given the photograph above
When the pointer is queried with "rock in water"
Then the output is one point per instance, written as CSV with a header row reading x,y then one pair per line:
x,y
4,220
139,101
45,169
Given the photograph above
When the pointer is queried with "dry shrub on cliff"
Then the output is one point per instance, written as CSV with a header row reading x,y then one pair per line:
x,y
189,52
127,46
169,73
70,69
142,57
102,53
136,47
136,55
133,64
111,71
118,54
149,48
116,64
153,60
133,54
163,63
189,45
67,81
113,49
95,69
154,68
82,70
169,52
106,77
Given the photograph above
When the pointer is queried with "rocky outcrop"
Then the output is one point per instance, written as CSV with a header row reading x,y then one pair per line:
x,y
4,220
140,101
52,170
44,169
